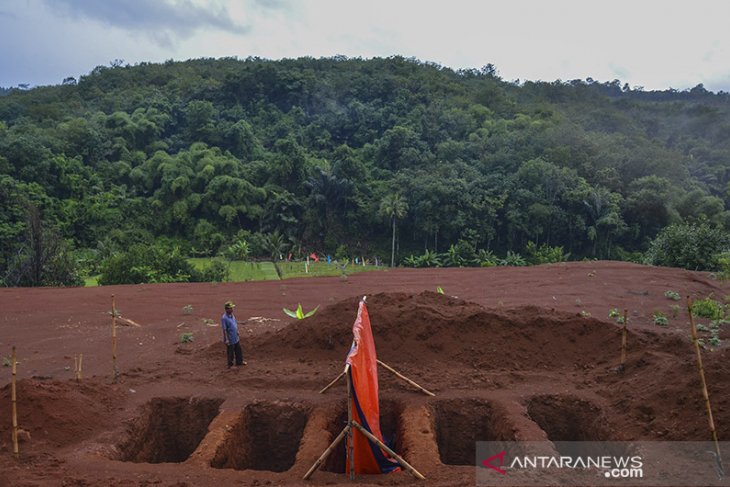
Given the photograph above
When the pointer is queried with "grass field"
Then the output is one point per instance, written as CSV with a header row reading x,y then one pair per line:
x,y
265,271
258,271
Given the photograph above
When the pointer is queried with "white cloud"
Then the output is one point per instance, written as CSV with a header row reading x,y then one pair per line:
x,y
649,43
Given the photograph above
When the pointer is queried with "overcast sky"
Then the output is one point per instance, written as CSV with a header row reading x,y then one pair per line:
x,y
654,44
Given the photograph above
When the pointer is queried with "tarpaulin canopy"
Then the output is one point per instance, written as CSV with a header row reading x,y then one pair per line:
x,y
363,370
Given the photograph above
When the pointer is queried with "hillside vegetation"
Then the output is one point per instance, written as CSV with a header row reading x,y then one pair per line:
x,y
340,155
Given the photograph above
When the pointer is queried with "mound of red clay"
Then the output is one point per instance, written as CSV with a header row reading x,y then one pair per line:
x,y
430,327
58,413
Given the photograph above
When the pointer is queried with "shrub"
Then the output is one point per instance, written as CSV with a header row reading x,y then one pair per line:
x,y
690,246
143,263
513,258
708,308
544,254
216,271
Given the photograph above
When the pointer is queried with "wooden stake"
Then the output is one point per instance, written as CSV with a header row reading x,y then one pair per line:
x,y
390,452
402,377
705,393
624,339
114,339
14,399
326,453
334,381
350,456
77,366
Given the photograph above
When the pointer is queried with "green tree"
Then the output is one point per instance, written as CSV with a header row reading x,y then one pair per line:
x,y
394,207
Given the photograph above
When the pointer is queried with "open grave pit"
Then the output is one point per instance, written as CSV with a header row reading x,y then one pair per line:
x,y
567,420
460,423
266,436
169,429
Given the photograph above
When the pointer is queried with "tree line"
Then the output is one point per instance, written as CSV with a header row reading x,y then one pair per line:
x,y
390,157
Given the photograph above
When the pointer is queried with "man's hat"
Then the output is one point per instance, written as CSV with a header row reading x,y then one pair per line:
x,y
229,305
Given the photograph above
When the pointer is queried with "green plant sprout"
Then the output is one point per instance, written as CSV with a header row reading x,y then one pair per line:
x,y
299,314
615,313
675,310
585,314
186,337
673,295
439,290
187,309
660,318
6,362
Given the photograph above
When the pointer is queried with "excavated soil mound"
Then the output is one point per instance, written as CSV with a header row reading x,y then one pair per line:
x,y
58,413
430,327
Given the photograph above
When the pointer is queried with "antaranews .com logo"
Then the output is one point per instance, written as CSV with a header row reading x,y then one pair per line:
x,y
612,466
622,464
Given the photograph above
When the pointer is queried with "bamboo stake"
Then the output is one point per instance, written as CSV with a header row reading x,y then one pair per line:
x,y
14,399
114,339
334,381
400,376
705,393
624,339
326,453
390,452
77,366
350,456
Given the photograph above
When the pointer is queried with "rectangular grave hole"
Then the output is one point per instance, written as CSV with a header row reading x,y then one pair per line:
x,y
460,423
568,419
266,437
169,429
390,427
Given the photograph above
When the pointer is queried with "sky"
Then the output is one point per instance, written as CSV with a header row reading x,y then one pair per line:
x,y
646,43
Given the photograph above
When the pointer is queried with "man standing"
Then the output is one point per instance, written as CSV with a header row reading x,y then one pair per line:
x,y
230,335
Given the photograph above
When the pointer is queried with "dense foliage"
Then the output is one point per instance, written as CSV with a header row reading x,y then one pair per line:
x,y
357,157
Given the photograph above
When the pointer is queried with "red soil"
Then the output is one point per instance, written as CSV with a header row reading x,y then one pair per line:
x,y
521,353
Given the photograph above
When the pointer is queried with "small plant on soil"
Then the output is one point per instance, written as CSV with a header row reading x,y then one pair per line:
x,y
585,314
187,309
578,302
673,295
615,313
299,313
701,327
186,337
660,318
715,341
708,308
208,322
675,310
6,362
439,290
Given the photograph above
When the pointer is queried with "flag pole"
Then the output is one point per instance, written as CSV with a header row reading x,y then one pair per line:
x,y
350,437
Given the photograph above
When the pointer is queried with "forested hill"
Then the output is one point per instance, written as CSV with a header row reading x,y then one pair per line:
x,y
327,154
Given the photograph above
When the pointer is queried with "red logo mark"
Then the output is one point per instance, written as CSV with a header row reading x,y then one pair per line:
x,y
488,462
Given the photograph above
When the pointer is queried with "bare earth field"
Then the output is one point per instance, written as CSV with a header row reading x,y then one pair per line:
x,y
511,354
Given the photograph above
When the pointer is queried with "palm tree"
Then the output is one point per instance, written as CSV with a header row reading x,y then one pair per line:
x,y
393,206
